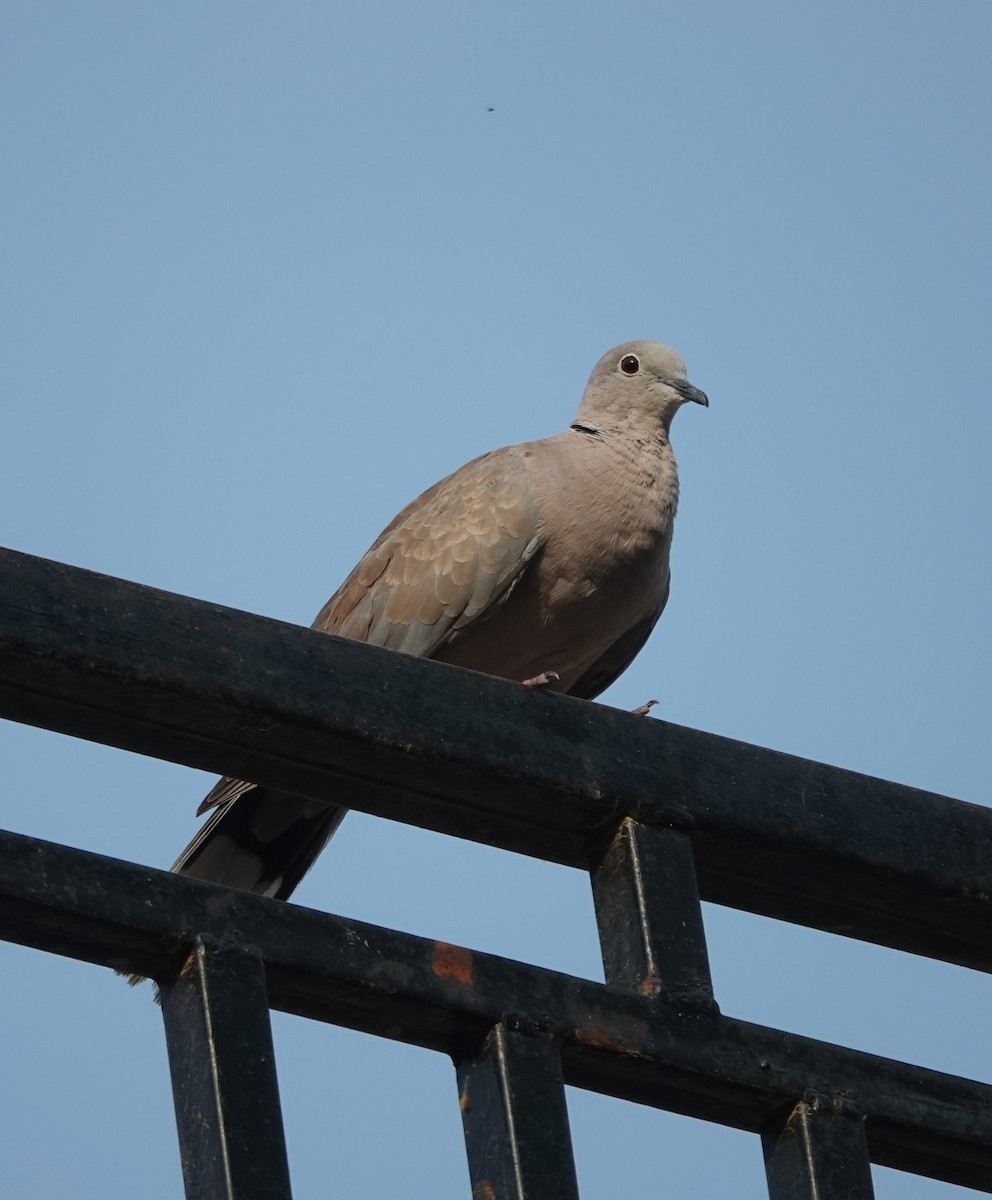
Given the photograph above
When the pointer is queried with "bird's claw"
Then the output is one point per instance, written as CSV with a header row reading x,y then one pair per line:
x,y
545,679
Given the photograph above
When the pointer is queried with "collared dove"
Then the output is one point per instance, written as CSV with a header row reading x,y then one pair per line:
x,y
544,563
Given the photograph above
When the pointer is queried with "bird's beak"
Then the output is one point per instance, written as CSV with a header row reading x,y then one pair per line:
x,y
688,392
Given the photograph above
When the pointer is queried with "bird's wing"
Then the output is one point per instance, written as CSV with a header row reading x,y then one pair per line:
x,y
450,558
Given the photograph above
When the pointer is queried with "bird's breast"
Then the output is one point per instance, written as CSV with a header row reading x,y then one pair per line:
x,y
602,568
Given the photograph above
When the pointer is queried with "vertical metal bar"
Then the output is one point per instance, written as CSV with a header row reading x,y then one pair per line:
x,y
512,1099
224,1077
817,1152
650,921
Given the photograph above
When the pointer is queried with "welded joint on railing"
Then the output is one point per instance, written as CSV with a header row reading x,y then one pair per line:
x,y
650,918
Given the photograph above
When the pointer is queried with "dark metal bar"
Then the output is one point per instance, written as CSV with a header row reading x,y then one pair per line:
x,y
818,1151
543,774
224,1077
649,917
447,998
512,1101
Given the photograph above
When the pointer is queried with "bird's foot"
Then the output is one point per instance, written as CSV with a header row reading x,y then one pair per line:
x,y
642,710
545,679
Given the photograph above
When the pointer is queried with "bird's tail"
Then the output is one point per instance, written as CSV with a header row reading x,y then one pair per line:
x,y
259,840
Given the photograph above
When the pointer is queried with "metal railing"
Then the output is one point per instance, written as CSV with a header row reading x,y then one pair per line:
x,y
660,816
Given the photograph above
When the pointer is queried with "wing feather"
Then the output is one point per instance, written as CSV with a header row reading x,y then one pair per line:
x,y
449,558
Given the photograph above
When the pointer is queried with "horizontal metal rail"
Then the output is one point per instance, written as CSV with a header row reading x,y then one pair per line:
x,y
477,757
450,999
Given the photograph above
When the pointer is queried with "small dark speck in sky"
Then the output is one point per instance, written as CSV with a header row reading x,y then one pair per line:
x,y
490,109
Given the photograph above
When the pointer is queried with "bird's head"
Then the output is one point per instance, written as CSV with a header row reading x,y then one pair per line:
x,y
636,387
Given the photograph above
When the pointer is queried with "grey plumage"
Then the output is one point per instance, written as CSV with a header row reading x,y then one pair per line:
x,y
547,556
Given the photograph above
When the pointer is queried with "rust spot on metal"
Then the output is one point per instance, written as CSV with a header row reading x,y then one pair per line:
x,y
464,1103
484,1191
651,984
612,1038
599,1037
452,962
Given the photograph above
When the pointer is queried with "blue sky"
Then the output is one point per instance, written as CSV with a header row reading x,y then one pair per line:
x,y
270,270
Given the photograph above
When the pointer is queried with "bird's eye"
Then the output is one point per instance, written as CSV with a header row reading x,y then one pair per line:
x,y
630,364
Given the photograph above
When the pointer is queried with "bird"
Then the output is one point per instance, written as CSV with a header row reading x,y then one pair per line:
x,y
546,563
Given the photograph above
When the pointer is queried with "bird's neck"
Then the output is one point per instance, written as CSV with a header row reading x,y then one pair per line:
x,y
644,457
629,425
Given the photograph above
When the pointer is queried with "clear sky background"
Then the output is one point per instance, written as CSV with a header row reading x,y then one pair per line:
x,y
268,271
